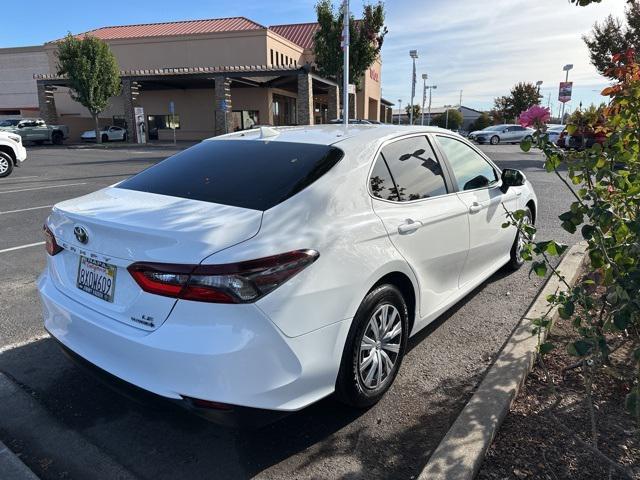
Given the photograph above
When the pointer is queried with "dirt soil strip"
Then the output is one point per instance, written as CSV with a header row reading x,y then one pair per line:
x,y
461,452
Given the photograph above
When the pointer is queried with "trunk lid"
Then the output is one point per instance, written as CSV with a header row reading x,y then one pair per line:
x,y
126,226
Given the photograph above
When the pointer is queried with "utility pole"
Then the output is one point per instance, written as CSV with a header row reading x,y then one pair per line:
x,y
430,87
399,110
460,102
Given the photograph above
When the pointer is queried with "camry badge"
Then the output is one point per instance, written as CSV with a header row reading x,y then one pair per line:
x,y
81,234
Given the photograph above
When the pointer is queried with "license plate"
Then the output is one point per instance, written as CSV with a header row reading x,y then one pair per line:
x,y
96,278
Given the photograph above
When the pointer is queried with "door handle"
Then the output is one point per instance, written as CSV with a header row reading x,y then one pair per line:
x,y
475,207
409,226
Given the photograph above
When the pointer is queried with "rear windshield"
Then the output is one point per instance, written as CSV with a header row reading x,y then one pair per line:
x,y
251,174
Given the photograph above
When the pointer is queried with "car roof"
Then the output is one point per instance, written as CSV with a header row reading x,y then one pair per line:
x,y
329,134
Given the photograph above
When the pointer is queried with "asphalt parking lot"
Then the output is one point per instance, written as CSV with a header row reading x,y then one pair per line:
x,y
391,440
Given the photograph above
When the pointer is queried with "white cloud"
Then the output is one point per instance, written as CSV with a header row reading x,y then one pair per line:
x,y
485,47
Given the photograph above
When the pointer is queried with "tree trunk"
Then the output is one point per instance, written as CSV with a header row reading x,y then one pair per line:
x,y
97,128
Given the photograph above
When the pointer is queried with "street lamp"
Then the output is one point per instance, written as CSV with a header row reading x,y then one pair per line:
x,y
430,87
538,83
399,110
413,54
566,68
424,96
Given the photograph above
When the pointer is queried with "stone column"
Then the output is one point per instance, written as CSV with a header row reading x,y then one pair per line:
x,y
304,102
47,105
333,97
223,120
129,112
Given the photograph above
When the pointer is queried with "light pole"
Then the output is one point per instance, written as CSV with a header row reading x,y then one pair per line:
x,y
538,83
424,96
430,87
399,110
413,54
566,68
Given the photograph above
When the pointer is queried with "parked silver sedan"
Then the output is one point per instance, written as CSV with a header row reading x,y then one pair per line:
x,y
505,133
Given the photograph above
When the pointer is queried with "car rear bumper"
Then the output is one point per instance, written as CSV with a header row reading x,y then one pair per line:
x,y
242,360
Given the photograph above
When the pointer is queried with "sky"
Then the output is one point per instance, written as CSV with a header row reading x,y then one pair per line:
x,y
482,47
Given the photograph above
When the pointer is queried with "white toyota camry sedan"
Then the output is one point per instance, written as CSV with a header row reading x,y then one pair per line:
x,y
267,269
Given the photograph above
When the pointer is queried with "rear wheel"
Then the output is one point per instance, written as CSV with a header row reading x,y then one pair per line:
x,y
57,138
6,165
494,140
105,138
374,349
516,260
124,137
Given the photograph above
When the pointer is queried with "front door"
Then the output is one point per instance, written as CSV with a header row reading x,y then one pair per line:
x,y
426,223
478,186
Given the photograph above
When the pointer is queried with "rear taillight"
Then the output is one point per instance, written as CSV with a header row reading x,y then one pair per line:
x,y
50,242
242,282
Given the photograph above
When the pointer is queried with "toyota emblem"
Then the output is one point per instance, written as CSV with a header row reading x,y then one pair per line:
x,y
81,234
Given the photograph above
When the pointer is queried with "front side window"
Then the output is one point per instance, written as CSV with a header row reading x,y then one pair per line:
x,y
469,167
415,171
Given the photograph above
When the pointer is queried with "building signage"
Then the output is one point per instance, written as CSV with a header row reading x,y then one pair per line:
x,y
564,95
374,75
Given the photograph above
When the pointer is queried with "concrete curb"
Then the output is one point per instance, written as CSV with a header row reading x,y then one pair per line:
x,y
11,466
461,452
46,440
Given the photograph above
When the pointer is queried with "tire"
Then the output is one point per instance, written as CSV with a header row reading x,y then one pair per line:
x,y
494,140
57,138
515,260
38,142
358,383
528,138
105,138
124,137
6,165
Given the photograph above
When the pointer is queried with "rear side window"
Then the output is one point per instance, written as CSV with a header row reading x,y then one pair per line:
x,y
382,185
415,171
251,174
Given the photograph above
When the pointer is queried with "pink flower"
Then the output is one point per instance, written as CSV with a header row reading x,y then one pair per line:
x,y
536,116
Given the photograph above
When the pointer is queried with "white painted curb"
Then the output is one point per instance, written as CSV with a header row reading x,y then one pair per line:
x,y
461,452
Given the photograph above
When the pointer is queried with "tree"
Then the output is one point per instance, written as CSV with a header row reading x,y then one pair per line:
x,y
611,37
522,96
366,37
453,122
483,121
416,112
92,72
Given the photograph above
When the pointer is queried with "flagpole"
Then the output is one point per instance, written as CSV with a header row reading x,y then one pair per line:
x,y
345,68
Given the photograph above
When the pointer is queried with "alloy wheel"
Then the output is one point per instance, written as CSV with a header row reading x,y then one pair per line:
x,y
4,165
380,346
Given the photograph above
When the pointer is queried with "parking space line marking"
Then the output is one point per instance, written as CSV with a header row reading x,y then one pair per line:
x,y
42,188
29,340
21,247
25,209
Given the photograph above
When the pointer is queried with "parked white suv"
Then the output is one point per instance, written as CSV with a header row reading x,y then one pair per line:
x,y
272,267
12,152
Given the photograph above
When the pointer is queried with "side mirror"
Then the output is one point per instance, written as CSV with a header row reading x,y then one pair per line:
x,y
21,125
511,178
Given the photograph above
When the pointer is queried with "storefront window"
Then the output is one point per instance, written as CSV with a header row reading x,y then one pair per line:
x,y
284,110
244,119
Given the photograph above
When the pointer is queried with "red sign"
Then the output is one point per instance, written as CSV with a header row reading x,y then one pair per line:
x,y
375,76
564,95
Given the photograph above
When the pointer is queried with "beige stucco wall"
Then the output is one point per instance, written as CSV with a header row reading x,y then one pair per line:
x,y
17,67
282,45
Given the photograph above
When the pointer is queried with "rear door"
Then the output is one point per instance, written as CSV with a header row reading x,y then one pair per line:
x,y
478,184
426,222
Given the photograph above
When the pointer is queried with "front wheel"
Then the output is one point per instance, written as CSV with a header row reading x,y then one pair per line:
x,y
57,138
528,138
516,260
6,165
494,140
374,349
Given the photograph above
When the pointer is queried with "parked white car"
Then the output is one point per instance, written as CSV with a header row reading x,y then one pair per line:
x,y
554,131
12,152
269,268
107,134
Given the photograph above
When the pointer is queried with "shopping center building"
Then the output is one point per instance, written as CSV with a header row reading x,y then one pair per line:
x,y
208,77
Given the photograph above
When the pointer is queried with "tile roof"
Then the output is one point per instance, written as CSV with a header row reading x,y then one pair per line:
x,y
187,27
299,33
